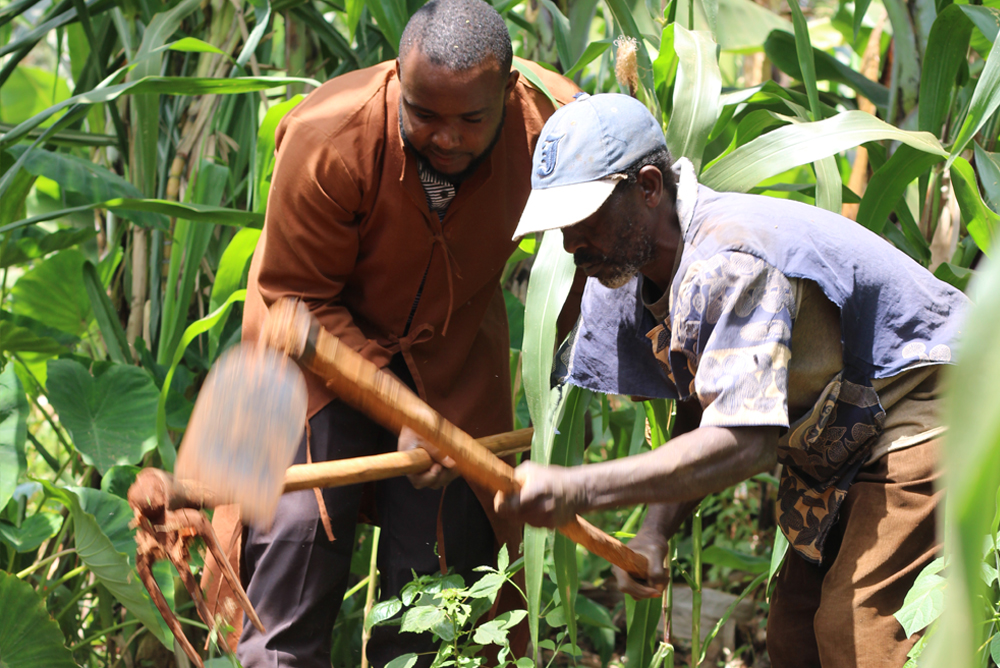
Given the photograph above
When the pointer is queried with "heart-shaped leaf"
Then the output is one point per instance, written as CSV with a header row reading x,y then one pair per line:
x,y
34,531
29,637
112,418
53,293
13,432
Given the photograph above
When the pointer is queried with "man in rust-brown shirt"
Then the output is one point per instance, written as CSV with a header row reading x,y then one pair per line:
x,y
396,192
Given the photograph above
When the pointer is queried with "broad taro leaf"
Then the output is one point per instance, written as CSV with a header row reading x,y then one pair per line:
x,y
112,418
111,567
29,637
53,294
34,531
113,515
13,432
30,248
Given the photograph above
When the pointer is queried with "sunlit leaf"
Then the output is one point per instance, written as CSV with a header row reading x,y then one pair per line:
x,y
52,293
35,530
981,221
13,432
29,637
696,95
985,101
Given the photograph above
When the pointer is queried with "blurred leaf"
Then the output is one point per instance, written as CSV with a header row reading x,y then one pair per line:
x,y
778,552
743,25
391,17
561,30
696,95
29,91
168,453
264,164
954,275
94,182
112,418
905,54
515,319
798,144
228,279
978,218
723,556
642,618
947,47
889,182
195,45
118,479
13,432
200,213
107,317
29,637
30,248
593,51
780,49
985,101
53,294
807,64
111,567
35,530
988,169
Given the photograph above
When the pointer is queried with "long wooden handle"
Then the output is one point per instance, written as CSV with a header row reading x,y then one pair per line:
x,y
355,470
291,329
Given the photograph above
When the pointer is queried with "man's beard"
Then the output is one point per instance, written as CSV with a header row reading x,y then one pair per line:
x,y
459,178
632,251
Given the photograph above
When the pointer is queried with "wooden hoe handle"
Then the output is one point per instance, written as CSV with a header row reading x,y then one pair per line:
x,y
291,329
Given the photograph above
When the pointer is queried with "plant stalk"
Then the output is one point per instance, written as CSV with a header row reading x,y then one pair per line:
x,y
696,590
370,598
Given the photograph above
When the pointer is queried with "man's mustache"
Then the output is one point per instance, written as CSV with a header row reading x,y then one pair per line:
x,y
583,257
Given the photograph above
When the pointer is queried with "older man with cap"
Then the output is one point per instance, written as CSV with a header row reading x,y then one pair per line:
x,y
787,334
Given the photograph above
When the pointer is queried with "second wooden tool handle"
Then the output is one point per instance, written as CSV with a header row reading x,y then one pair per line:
x,y
358,382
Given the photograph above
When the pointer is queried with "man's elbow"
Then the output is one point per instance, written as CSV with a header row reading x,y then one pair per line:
x,y
765,449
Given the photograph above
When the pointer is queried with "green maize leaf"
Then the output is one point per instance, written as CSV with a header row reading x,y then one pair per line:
x,y
988,169
329,35
665,70
29,637
751,126
535,81
264,160
13,432
696,95
986,18
801,143
30,91
15,9
391,17
978,218
228,278
72,138
985,101
199,213
888,184
168,453
53,294
946,51
778,552
626,20
723,556
593,51
262,18
112,418
860,9
641,619
906,55
107,317
561,30
194,45
779,48
807,63
112,568
743,26
954,275
829,185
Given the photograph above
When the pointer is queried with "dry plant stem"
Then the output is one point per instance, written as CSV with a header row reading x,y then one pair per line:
x,y
869,68
140,283
291,329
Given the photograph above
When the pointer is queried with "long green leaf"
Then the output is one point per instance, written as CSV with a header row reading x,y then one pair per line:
x,y
72,138
985,101
988,169
978,218
548,286
696,94
593,51
946,51
641,618
807,65
906,58
199,213
232,266
264,159
798,144
107,317
391,17
168,453
829,185
888,184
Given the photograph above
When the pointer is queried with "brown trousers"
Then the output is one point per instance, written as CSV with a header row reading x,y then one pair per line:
x,y
840,614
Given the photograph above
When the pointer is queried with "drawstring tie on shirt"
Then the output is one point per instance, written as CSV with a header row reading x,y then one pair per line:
x,y
438,238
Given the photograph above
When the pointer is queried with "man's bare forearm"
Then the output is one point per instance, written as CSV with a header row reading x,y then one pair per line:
x,y
685,469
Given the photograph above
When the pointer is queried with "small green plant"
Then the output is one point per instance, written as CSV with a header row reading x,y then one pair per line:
x,y
443,606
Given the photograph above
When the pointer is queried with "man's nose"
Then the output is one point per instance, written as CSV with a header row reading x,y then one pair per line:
x,y
572,239
447,139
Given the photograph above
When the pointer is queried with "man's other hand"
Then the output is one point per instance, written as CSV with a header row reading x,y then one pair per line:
x,y
550,496
440,473
654,548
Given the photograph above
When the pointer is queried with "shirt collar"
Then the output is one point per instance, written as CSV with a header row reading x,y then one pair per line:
x,y
687,192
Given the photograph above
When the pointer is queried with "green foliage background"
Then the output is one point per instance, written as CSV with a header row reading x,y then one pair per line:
x,y
135,158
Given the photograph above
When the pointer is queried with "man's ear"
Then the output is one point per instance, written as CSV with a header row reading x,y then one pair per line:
x,y
650,179
511,82
399,70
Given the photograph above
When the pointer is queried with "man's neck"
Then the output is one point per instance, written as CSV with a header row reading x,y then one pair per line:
x,y
667,243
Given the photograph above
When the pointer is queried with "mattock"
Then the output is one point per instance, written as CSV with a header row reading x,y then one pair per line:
x,y
247,425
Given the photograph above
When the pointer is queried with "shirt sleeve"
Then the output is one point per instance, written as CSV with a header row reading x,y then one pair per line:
x,y
731,331
312,233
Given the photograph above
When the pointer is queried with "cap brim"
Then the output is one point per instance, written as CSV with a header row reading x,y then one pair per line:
x,y
562,206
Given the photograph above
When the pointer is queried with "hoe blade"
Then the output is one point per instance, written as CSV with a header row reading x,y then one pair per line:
x,y
245,430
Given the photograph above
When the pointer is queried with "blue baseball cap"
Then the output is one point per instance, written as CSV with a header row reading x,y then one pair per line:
x,y
581,153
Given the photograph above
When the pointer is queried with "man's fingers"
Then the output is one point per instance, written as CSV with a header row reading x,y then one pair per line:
x,y
629,586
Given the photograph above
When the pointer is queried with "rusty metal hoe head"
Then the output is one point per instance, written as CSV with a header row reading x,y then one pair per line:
x,y
245,430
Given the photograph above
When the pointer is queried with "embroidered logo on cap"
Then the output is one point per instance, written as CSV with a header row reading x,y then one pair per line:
x,y
550,153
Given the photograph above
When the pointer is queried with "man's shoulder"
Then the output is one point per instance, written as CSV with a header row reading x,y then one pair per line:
x,y
355,99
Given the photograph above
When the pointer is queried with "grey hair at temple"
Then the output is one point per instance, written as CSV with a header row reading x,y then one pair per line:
x,y
458,34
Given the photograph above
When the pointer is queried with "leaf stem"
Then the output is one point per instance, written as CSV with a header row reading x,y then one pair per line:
x,y
696,589
103,632
38,564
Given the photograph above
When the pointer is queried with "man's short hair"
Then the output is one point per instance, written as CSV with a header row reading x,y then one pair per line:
x,y
659,158
458,34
